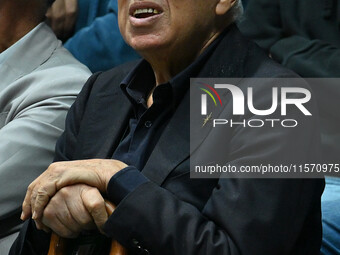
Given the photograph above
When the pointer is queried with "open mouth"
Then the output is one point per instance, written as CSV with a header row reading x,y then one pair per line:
x,y
143,10
145,13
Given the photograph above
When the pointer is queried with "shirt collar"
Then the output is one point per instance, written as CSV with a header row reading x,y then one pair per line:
x,y
140,81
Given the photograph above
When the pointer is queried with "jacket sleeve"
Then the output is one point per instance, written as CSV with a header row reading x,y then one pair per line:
x,y
28,139
66,144
100,46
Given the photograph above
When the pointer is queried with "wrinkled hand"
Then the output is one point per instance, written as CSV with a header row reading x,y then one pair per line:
x,y
94,172
74,209
62,16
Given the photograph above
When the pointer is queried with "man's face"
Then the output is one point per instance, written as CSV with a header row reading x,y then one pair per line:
x,y
165,24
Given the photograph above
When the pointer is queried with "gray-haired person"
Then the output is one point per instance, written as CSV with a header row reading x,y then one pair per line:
x,y
39,80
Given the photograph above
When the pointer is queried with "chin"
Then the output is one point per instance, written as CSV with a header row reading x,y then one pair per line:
x,y
146,43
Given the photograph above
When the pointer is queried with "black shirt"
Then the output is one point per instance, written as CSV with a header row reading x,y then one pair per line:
x,y
147,124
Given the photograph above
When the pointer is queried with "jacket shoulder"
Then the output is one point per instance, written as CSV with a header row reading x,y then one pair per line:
x,y
105,83
111,79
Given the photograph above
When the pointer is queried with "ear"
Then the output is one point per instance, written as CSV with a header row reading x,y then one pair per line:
x,y
223,6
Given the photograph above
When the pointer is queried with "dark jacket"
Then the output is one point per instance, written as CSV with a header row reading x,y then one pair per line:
x,y
174,214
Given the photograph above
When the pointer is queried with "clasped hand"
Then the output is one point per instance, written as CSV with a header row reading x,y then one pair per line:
x,y
67,197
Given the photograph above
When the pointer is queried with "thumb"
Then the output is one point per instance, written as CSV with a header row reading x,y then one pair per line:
x,y
95,205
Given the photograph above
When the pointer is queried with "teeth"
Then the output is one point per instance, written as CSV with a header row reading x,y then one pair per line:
x,y
140,11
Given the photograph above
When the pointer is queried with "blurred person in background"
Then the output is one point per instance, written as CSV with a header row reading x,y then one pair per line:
x,y
304,36
90,31
39,80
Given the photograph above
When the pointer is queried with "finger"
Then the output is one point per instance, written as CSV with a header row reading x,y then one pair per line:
x,y
58,17
39,225
83,173
57,217
33,198
58,27
49,13
41,197
71,7
62,174
44,191
46,187
60,208
95,204
80,213
30,197
58,227
26,205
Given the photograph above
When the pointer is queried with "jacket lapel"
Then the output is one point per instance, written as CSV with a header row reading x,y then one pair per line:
x,y
114,128
172,147
109,114
201,125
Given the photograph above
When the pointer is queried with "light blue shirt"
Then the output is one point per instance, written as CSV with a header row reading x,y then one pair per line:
x,y
8,52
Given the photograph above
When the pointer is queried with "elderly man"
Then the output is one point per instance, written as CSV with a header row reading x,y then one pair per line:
x,y
39,81
130,144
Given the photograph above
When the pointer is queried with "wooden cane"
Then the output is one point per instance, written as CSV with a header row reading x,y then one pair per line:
x,y
58,244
